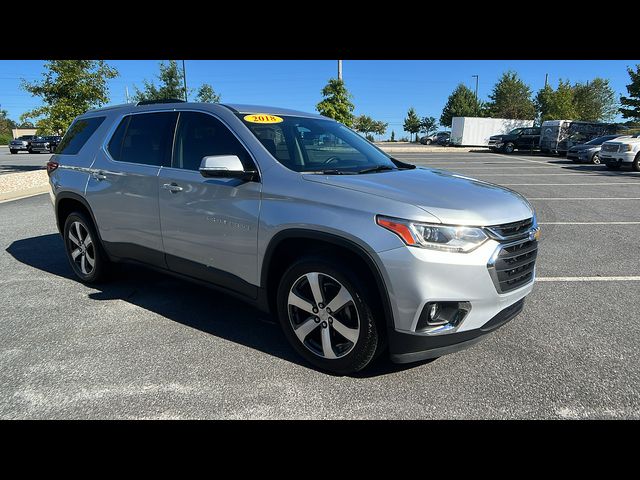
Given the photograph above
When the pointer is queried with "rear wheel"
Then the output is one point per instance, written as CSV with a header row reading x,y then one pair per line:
x,y
326,313
508,148
84,251
595,159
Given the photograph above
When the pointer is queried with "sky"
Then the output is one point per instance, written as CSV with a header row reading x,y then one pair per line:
x,y
382,89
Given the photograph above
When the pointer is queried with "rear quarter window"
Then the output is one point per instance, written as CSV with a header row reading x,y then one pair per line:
x,y
78,134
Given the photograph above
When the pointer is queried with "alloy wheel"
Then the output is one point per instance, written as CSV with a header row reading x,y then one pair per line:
x,y
323,315
81,248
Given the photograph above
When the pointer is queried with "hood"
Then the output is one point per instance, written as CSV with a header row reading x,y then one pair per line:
x,y
582,146
452,198
497,137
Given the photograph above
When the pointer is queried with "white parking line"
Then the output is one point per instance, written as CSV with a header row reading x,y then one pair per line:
x,y
630,278
588,223
570,184
583,198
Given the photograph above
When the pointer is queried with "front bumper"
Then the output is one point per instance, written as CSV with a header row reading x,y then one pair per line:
x,y
416,276
40,148
18,147
617,158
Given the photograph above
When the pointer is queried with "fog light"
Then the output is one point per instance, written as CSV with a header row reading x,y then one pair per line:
x,y
442,316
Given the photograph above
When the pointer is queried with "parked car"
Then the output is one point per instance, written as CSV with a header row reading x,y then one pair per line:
x,y
353,251
621,151
444,139
434,138
45,144
21,143
589,152
527,138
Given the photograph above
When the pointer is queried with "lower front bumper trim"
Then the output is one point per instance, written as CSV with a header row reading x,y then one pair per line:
x,y
433,353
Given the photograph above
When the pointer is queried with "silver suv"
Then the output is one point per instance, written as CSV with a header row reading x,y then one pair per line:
x,y
355,252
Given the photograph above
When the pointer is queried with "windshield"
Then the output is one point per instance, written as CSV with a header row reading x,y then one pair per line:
x,y
515,131
315,145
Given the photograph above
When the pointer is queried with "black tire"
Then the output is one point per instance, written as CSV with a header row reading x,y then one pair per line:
x,y
636,163
13,152
99,271
29,150
596,159
369,341
508,148
613,166
428,141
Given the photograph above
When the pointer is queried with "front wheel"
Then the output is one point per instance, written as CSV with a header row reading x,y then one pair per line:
x,y
508,148
84,251
13,152
595,159
326,313
636,163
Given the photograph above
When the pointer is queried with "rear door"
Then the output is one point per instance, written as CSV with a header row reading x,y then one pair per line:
x,y
529,138
209,225
123,185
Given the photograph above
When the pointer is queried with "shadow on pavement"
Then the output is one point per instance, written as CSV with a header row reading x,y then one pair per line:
x,y
20,168
190,304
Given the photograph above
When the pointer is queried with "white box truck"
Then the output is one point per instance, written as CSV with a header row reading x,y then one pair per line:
x,y
475,131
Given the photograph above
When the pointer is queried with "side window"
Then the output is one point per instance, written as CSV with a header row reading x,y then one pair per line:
x,y
78,134
200,135
144,138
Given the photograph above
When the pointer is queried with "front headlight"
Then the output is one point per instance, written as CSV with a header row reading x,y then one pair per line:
x,y
449,238
626,148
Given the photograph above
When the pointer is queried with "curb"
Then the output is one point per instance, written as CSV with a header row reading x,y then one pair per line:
x,y
27,192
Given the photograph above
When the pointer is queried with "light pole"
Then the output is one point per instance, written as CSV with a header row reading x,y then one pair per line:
x,y
339,69
476,77
184,78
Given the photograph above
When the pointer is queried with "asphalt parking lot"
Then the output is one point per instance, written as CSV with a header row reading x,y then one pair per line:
x,y
21,161
150,346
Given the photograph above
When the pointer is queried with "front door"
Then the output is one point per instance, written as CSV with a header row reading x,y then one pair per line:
x,y
209,225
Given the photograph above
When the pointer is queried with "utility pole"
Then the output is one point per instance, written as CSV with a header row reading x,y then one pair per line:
x,y
184,78
126,92
546,79
339,69
476,77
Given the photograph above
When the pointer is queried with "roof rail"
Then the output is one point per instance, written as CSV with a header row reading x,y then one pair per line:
x,y
163,100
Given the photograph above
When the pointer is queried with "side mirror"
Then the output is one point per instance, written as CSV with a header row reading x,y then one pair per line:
x,y
225,166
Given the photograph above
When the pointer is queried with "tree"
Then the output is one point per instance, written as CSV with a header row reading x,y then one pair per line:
x,y
68,88
363,124
556,104
26,124
461,103
6,125
337,102
393,136
206,94
428,125
594,101
412,122
380,127
171,84
511,98
632,102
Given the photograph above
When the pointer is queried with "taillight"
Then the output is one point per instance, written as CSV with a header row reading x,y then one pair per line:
x,y
51,166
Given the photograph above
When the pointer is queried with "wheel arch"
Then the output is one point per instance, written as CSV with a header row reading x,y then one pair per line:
x,y
66,203
272,268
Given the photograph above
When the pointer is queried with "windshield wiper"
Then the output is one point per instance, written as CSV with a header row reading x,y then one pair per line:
x,y
329,172
379,168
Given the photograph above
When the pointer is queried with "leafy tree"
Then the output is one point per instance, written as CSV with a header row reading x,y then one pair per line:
x,y
207,94
461,103
393,136
632,102
380,127
412,122
556,104
171,84
594,100
363,124
6,125
26,124
336,103
68,88
511,98
428,125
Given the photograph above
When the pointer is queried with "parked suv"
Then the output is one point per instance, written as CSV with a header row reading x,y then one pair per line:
x,y
622,151
353,251
435,138
46,144
527,138
21,143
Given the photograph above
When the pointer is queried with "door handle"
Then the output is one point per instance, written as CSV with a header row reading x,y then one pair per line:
x,y
99,175
172,187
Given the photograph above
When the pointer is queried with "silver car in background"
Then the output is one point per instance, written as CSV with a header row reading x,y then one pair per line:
x,y
355,252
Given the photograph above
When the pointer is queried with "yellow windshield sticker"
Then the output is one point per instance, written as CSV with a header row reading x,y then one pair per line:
x,y
262,118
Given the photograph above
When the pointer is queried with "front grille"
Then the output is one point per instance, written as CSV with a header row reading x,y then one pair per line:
x,y
514,265
512,230
609,148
